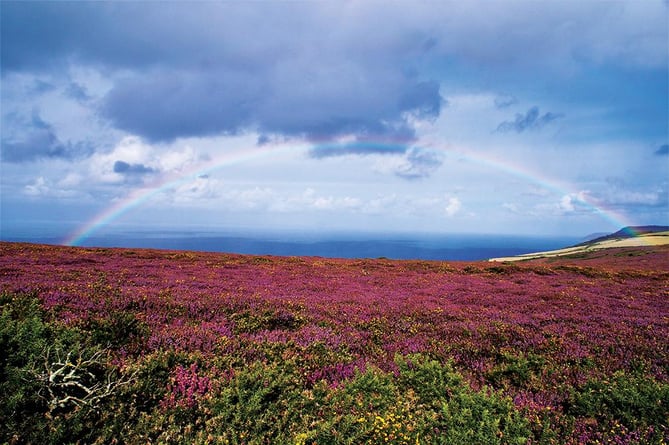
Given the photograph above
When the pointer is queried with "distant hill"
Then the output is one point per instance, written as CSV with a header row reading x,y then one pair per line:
x,y
626,232
593,236
631,236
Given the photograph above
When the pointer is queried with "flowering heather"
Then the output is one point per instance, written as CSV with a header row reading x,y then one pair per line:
x,y
566,351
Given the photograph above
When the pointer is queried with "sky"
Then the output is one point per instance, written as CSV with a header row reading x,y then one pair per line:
x,y
500,116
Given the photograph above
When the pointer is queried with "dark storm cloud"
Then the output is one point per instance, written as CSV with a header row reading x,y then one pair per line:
x,y
169,105
225,68
321,106
532,120
663,150
38,140
317,70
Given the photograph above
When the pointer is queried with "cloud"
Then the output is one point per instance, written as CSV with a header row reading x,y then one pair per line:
x,y
411,164
131,169
356,148
202,188
453,206
418,163
505,101
511,207
42,187
37,139
41,87
567,203
190,69
663,150
532,120
132,160
37,188
77,92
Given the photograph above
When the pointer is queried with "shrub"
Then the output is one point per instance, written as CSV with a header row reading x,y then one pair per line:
x,y
23,337
115,330
634,401
53,386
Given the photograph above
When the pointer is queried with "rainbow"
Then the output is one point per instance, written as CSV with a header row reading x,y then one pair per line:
x,y
140,196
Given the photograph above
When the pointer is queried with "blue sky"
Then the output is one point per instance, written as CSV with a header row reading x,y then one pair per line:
x,y
536,117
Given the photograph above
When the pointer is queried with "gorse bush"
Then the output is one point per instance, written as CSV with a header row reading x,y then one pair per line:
x,y
53,384
629,400
23,338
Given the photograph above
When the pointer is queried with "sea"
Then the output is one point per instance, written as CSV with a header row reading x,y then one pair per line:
x,y
330,244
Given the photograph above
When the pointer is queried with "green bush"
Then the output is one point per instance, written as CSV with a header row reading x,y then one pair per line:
x,y
635,401
456,414
23,337
263,403
54,385
115,330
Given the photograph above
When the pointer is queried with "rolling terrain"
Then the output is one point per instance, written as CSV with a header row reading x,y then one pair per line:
x,y
627,239
194,347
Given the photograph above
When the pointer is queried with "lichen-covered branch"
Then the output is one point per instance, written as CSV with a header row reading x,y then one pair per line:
x,y
78,379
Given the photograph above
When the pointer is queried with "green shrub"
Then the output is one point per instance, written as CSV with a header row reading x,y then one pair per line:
x,y
635,401
115,330
514,370
53,384
255,320
263,403
23,337
457,414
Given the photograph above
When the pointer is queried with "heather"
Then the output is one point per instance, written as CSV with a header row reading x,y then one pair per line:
x,y
142,346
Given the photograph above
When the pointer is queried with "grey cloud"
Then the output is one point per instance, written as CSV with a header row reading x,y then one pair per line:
x,y
505,101
532,120
316,70
423,98
184,78
263,139
41,87
77,92
420,163
663,150
38,140
171,105
131,169
168,105
39,34
416,162
356,148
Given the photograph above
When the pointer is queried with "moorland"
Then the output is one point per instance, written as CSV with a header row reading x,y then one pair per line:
x,y
103,345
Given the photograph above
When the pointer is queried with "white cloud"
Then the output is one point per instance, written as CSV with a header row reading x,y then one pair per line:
x,y
37,188
44,188
177,161
511,207
199,189
567,204
73,179
453,206
146,158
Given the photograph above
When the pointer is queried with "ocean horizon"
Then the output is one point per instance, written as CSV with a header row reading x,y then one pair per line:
x,y
422,246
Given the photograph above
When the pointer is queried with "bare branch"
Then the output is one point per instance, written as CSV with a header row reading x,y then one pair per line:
x,y
73,381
